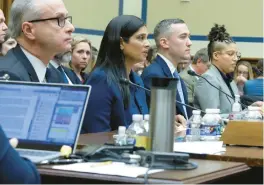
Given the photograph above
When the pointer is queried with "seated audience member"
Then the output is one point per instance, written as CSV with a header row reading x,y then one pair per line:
x,y
38,40
81,54
243,72
68,76
92,61
13,168
183,64
172,38
3,26
139,67
223,54
8,44
199,65
112,102
254,87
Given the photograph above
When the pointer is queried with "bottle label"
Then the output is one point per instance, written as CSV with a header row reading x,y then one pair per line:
x,y
209,130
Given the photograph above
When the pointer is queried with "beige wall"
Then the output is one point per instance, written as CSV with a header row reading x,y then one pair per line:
x,y
92,14
241,17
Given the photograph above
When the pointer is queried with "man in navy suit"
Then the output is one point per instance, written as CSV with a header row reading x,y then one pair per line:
x,y
40,36
68,76
172,38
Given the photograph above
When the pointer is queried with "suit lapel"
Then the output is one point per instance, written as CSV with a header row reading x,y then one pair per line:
x,y
19,54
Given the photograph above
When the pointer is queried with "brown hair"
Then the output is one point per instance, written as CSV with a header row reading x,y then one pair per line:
x,y
248,65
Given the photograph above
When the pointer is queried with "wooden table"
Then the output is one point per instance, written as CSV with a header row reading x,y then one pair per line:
x,y
208,171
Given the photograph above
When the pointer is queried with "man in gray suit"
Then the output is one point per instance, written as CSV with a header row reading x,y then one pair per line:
x,y
42,29
200,65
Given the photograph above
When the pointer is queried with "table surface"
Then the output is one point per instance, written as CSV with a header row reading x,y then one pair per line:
x,y
207,171
252,156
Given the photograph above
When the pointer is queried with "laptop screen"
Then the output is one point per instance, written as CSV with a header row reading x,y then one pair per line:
x,y
42,113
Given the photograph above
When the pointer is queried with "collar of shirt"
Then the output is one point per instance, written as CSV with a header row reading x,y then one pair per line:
x,y
54,64
226,77
169,64
193,71
39,67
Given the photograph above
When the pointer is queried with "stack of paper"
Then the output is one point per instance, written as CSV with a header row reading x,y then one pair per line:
x,y
107,168
200,147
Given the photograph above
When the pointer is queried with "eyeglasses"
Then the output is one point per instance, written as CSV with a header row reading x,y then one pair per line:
x,y
61,20
233,54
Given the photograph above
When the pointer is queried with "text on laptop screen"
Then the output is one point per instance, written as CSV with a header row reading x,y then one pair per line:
x,y
45,114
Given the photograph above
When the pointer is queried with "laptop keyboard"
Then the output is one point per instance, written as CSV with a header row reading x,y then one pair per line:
x,y
34,153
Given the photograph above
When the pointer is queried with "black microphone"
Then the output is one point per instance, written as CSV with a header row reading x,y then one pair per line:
x,y
192,73
128,82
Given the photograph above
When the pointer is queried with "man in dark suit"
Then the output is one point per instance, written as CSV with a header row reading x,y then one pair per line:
x,y
67,75
173,45
39,39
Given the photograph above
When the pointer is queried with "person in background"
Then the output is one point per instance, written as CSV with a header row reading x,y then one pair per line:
x,y
3,27
92,61
172,38
113,102
199,65
139,67
81,55
243,72
183,64
8,44
254,87
224,54
68,76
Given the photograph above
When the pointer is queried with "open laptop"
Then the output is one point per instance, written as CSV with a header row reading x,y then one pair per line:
x,y
43,117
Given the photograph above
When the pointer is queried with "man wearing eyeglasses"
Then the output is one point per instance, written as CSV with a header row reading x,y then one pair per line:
x,y
42,29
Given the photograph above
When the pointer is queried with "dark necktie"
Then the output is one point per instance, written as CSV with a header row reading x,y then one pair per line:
x,y
63,75
48,75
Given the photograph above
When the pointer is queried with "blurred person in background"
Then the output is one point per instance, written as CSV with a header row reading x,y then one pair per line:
x,y
243,72
199,65
8,44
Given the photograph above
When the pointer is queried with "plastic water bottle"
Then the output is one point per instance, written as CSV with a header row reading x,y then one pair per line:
x,y
253,114
136,126
146,122
210,126
193,126
236,109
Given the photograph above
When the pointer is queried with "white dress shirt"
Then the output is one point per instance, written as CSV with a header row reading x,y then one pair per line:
x,y
39,67
179,86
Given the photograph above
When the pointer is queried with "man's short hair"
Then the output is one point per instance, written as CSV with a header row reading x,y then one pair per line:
x,y
21,11
201,54
163,28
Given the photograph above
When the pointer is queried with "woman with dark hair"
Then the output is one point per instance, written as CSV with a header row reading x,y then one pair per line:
x,y
112,102
223,54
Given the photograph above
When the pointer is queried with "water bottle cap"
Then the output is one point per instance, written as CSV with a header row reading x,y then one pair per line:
x,y
146,117
253,108
212,111
196,112
137,117
121,130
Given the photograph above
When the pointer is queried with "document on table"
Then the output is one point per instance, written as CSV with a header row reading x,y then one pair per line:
x,y
200,147
107,168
